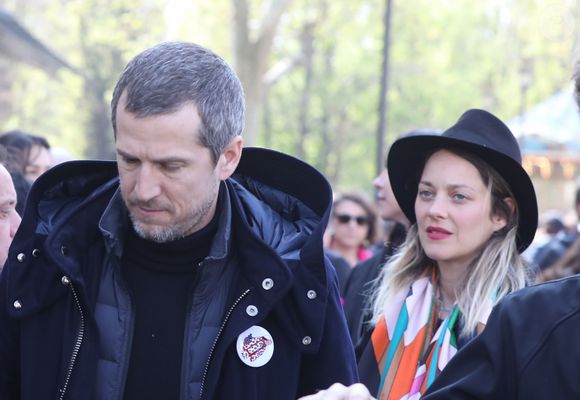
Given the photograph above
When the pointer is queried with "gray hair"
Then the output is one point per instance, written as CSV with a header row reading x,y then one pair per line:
x,y
160,80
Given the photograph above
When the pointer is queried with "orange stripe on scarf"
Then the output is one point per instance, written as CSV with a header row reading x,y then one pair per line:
x,y
380,339
408,366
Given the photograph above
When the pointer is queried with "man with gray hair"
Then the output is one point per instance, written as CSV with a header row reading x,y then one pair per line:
x,y
184,271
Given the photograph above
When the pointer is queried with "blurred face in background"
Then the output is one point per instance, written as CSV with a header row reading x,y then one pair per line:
x,y
351,225
39,161
386,202
9,218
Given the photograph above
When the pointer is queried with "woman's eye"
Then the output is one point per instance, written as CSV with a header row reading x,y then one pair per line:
x,y
425,194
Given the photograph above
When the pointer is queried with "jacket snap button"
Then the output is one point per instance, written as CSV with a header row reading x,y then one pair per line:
x,y
252,311
21,257
267,284
65,281
17,304
63,250
35,253
306,340
311,294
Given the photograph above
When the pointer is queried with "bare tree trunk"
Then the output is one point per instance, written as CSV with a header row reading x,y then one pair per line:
x,y
100,143
6,79
267,120
341,129
383,100
304,106
251,57
323,163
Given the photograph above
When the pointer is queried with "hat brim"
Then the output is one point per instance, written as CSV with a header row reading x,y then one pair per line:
x,y
405,164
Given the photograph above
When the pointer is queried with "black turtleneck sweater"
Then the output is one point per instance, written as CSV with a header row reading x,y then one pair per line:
x,y
160,278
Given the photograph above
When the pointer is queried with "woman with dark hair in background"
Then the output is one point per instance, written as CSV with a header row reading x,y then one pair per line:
x,y
28,157
29,154
352,228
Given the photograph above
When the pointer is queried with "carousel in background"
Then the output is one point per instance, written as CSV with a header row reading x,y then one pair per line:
x,y
549,136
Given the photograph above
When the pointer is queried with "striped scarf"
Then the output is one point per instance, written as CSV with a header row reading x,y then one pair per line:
x,y
405,347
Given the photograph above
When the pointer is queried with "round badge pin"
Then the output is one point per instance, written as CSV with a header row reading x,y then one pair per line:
x,y
255,346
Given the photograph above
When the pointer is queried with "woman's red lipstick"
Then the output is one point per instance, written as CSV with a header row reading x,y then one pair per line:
x,y
437,233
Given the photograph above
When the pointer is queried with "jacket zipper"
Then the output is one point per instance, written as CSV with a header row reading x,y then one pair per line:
x,y
213,346
78,342
128,347
186,345
125,290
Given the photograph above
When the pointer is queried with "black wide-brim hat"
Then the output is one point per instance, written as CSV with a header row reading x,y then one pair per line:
x,y
478,132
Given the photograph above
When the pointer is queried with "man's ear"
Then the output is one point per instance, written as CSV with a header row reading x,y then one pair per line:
x,y
230,158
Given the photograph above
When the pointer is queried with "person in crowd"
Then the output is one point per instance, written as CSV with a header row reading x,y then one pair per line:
x,y
30,153
359,283
22,187
555,259
473,210
9,218
550,224
188,269
352,228
342,269
28,157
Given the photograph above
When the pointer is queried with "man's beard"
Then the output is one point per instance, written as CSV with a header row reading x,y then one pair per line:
x,y
180,229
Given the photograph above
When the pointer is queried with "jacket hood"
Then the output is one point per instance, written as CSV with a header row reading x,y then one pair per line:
x,y
294,197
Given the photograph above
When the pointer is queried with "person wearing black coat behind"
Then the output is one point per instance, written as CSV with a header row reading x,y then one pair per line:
x,y
343,270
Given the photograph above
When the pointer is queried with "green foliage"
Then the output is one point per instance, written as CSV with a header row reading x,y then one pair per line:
x,y
446,56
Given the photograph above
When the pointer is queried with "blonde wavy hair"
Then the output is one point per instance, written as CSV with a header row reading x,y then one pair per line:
x,y
495,272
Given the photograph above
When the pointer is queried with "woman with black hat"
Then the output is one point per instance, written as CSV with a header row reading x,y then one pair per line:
x,y
473,211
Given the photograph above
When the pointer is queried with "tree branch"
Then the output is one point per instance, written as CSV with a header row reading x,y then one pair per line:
x,y
281,69
270,22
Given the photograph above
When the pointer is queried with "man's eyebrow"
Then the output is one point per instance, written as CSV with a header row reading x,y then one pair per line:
x,y
165,160
124,154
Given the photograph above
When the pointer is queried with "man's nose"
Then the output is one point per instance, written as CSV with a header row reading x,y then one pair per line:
x,y
147,185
